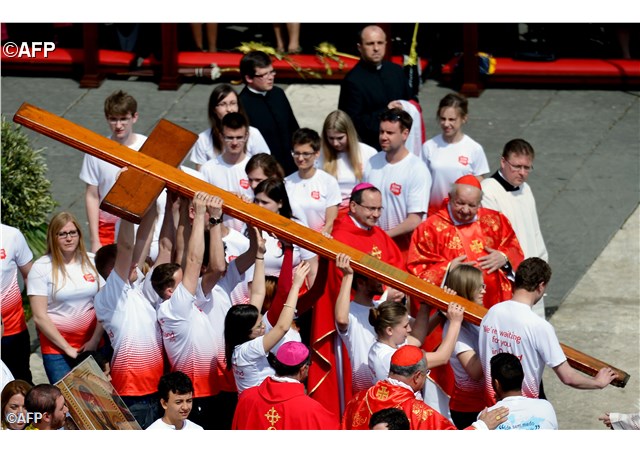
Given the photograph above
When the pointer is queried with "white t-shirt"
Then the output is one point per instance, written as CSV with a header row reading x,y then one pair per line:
x,y
220,302
449,161
250,364
160,424
97,172
291,335
527,414
512,327
202,150
467,341
345,175
14,253
380,360
5,375
130,321
274,256
229,177
314,196
71,310
359,338
404,185
189,338
236,244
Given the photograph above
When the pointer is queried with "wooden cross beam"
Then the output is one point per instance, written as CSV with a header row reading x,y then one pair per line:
x,y
186,185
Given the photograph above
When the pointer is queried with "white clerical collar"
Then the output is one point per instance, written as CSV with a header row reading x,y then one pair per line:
x,y
358,224
253,90
455,222
393,381
284,379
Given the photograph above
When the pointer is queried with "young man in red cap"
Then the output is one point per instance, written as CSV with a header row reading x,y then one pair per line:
x,y
464,232
407,376
280,401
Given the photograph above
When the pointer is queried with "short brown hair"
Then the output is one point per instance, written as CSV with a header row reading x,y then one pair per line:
x,y
120,103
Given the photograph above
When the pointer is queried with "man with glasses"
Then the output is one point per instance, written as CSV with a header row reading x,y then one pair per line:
x,y
357,229
227,171
465,232
267,106
121,112
402,177
507,191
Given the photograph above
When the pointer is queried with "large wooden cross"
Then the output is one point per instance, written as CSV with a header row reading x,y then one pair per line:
x,y
153,168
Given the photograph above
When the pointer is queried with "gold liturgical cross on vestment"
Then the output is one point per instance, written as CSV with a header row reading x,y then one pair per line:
x,y
272,417
154,167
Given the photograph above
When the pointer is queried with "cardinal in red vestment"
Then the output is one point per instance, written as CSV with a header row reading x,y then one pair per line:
x,y
407,376
465,232
357,229
462,231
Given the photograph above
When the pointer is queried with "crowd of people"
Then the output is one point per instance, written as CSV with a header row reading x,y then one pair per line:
x,y
211,323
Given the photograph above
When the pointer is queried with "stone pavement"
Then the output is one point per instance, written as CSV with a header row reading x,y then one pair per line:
x,y
586,182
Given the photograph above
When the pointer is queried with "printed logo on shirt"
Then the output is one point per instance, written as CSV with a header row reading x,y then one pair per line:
x,y
244,183
315,195
395,188
464,160
3,254
89,277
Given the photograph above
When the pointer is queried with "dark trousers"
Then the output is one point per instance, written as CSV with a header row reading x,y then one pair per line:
x,y
16,350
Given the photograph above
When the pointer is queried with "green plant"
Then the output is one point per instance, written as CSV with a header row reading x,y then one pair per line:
x,y
25,191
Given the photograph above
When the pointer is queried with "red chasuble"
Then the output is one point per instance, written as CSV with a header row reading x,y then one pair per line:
x,y
437,241
323,382
277,405
384,395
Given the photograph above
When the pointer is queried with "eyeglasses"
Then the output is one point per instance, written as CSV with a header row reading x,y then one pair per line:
x,y
237,139
526,168
226,105
65,234
116,120
271,73
303,155
370,208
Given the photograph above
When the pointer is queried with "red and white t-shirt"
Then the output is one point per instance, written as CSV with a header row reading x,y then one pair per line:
x,y
14,253
189,339
97,172
70,307
131,323
468,395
